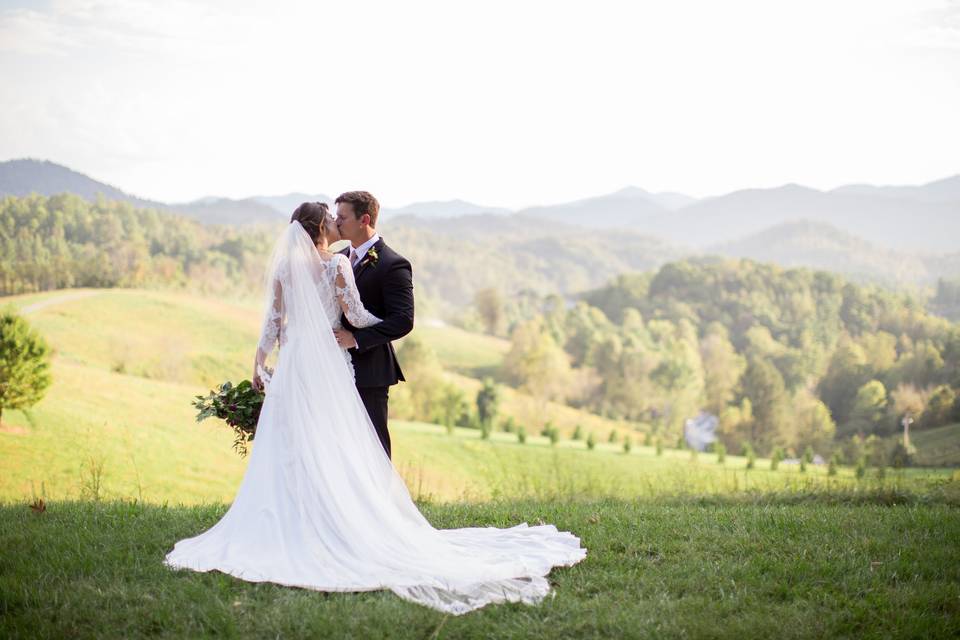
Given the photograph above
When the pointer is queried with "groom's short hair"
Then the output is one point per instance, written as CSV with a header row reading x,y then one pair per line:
x,y
363,202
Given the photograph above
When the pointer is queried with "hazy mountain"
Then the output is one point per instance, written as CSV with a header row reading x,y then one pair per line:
x,y
670,200
227,211
444,209
819,245
627,208
946,190
23,177
925,218
922,218
454,257
889,222
286,204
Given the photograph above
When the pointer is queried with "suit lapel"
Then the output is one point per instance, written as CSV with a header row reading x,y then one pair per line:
x,y
362,266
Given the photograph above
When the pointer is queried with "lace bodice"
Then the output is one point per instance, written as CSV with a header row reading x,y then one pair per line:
x,y
338,293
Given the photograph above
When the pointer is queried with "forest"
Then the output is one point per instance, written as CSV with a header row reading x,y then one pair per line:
x,y
65,241
788,359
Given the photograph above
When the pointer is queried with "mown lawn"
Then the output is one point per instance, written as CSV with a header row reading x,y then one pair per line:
x,y
656,569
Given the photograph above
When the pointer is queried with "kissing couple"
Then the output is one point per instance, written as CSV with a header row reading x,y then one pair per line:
x,y
321,505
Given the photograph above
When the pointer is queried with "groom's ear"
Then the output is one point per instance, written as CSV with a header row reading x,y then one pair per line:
x,y
365,219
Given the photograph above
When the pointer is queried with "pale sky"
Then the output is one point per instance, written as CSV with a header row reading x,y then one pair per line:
x,y
510,103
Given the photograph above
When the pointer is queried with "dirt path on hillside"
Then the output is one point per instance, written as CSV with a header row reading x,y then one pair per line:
x,y
66,297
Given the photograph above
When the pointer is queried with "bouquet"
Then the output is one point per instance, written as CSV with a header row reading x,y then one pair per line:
x,y
239,405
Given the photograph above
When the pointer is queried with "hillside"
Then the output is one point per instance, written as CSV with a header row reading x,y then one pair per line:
x,y
118,421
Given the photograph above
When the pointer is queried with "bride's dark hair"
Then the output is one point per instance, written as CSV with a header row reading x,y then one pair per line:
x,y
311,215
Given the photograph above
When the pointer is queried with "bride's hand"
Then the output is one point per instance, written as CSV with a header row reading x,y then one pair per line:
x,y
257,382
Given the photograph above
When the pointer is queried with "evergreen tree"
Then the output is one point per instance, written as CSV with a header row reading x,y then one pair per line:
x,y
24,363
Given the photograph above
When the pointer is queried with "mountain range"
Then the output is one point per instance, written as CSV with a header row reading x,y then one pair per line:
x,y
891,234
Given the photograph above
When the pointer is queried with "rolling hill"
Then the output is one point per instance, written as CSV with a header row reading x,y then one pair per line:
x,y
117,422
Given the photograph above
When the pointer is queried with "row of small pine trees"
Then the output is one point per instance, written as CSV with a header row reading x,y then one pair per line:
x,y
552,433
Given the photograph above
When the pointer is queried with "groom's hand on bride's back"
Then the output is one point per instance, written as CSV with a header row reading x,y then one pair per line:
x,y
345,338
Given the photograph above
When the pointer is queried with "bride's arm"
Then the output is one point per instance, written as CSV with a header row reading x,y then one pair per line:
x,y
269,334
348,297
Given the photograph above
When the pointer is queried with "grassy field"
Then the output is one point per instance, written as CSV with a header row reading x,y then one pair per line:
x,y
663,570
679,546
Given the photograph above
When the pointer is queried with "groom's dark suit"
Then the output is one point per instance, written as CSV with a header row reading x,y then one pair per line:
x,y
386,290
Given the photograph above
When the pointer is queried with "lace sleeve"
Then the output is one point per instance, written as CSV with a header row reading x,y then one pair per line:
x,y
348,297
272,330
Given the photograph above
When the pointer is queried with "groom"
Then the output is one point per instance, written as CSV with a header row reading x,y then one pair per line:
x,y
385,282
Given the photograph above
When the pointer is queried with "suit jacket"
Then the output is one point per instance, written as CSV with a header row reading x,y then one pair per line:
x,y
386,290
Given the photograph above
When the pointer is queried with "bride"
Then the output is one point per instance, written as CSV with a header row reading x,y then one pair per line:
x,y
320,505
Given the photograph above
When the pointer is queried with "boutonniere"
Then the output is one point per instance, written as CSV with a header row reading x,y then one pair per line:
x,y
372,257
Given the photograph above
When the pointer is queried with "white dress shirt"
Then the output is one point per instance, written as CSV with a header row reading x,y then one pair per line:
x,y
356,255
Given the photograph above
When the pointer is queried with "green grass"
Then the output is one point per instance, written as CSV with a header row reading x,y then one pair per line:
x,y
667,570
465,467
677,548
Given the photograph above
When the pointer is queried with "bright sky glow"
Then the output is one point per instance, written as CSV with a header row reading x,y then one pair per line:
x,y
508,103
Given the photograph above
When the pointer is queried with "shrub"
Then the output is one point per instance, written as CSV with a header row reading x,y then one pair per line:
x,y
521,435
834,465
554,436
750,454
577,433
861,470
901,456
776,458
591,441
627,444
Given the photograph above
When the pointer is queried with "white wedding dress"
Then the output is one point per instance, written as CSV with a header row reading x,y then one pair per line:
x,y
320,505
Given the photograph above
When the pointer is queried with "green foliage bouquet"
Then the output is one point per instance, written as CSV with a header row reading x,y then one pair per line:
x,y
239,405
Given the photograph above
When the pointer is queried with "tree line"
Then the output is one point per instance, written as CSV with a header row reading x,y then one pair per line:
x,y
65,241
789,359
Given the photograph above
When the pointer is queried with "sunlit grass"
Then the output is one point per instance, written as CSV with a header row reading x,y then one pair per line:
x,y
653,570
